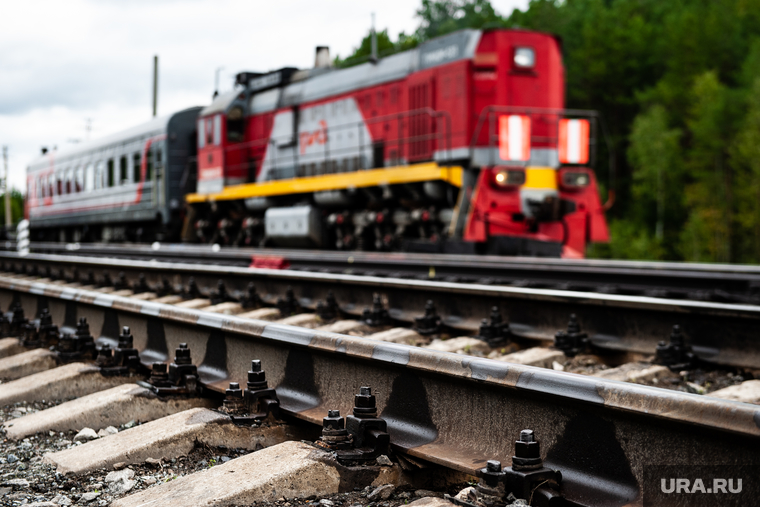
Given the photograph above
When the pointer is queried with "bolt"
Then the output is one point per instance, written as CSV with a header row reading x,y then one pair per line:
x,y
125,339
490,476
83,328
527,452
257,378
158,375
234,391
182,354
333,421
365,404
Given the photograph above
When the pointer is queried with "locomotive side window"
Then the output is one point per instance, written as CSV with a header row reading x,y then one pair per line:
x,y
59,183
235,125
99,176
89,178
110,172
123,170
136,167
79,179
51,185
217,129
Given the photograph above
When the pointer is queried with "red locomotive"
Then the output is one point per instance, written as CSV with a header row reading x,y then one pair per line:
x,y
459,145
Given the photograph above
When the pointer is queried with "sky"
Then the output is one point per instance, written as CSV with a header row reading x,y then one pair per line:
x,y
66,64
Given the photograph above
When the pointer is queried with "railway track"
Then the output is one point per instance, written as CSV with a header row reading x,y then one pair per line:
x,y
699,282
716,333
445,415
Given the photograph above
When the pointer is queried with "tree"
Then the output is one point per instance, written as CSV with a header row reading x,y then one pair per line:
x,y
17,207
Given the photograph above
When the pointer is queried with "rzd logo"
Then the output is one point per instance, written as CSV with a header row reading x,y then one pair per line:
x,y
319,136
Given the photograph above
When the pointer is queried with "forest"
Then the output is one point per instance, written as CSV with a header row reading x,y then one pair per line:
x,y
678,86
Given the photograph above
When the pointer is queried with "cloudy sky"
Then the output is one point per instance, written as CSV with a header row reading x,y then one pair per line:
x,y
62,63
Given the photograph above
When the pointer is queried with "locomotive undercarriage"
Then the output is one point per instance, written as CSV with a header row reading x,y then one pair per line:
x,y
367,219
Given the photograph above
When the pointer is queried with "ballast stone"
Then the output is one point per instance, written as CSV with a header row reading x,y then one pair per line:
x,y
430,501
85,435
120,482
288,470
100,410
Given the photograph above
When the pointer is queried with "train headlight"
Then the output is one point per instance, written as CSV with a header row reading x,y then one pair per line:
x,y
575,179
525,58
509,177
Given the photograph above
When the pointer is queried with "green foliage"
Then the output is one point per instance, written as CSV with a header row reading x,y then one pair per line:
x,y
436,18
385,47
17,207
446,16
675,81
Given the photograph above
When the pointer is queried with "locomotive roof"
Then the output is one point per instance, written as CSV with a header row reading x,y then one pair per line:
x,y
322,83
221,102
154,126
460,45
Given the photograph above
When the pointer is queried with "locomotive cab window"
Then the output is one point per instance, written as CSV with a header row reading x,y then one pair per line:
x,y
235,125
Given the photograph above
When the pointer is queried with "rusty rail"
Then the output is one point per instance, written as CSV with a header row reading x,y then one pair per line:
x,y
720,333
443,408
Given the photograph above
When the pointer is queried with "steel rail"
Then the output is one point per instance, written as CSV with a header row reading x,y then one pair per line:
x,y
718,282
725,334
443,408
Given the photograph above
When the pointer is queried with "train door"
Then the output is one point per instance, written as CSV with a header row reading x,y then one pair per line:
x,y
160,173
421,123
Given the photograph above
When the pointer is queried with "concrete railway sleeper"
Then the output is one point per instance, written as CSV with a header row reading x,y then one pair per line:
x,y
378,416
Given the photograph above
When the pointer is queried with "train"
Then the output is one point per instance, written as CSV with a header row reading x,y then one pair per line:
x,y
460,145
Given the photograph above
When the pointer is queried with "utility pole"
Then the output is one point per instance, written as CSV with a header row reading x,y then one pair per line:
x,y
216,81
155,85
373,41
7,191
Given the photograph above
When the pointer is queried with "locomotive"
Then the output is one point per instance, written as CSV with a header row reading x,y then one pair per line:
x,y
459,145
